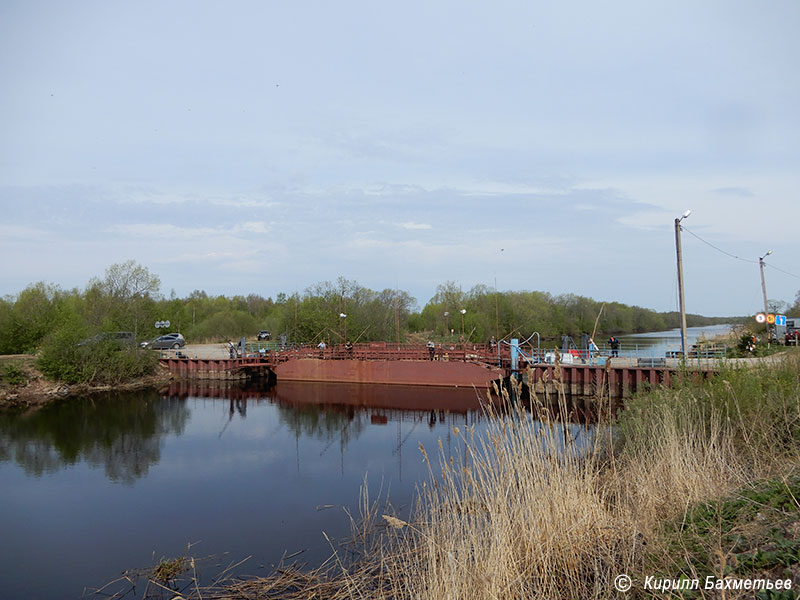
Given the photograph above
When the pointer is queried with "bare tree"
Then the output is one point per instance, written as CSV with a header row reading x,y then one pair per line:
x,y
129,280
125,292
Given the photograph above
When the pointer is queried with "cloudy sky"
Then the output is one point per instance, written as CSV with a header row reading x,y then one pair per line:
x,y
262,146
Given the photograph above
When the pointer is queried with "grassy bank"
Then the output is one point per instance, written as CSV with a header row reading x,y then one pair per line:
x,y
697,481
23,384
534,511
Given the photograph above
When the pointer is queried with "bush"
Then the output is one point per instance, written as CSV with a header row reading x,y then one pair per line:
x,y
13,375
63,358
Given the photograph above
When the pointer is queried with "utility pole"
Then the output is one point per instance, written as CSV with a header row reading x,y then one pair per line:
x,y
397,316
680,280
496,312
764,290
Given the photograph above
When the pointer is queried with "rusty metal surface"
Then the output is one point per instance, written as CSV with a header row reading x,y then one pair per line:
x,y
393,372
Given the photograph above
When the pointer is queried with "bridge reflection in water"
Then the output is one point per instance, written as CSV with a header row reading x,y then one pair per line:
x,y
382,402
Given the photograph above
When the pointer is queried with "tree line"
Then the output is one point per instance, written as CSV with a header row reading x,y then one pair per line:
x,y
128,298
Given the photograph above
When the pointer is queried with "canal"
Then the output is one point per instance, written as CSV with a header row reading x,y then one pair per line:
x,y
94,486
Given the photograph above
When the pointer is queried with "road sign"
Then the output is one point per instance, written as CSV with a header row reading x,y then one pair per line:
x,y
770,318
780,320
761,318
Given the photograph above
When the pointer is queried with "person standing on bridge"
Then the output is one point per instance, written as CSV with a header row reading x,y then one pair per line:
x,y
592,349
431,349
614,343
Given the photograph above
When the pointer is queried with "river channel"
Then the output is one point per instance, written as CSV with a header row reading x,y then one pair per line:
x,y
94,486
656,344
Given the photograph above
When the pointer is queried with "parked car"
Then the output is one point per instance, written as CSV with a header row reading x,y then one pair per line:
x,y
121,338
264,335
162,342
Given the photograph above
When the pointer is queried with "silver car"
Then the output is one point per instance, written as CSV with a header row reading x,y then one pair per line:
x,y
169,340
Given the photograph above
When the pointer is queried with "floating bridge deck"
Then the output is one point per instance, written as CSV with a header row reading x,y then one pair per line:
x,y
470,365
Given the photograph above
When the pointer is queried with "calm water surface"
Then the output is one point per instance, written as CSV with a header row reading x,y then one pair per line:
x,y
655,344
91,487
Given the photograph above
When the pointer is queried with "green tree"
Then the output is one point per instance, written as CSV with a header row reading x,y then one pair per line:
x,y
35,312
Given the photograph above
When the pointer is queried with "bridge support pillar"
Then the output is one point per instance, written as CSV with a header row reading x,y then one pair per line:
x,y
514,356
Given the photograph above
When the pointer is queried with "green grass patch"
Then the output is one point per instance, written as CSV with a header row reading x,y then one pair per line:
x,y
753,533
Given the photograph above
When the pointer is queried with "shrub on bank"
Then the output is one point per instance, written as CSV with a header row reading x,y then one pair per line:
x,y
64,357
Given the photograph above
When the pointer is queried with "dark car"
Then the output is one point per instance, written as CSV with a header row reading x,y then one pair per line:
x,y
264,335
169,340
120,338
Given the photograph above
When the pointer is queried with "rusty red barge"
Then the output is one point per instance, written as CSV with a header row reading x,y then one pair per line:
x,y
477,366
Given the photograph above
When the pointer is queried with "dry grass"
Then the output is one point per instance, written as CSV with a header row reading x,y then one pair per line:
x,y
540,509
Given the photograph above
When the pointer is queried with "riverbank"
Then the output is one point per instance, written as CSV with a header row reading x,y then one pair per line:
x,y
22,385
692,484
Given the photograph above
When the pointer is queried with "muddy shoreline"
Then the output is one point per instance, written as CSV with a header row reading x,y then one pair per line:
x,y
37,391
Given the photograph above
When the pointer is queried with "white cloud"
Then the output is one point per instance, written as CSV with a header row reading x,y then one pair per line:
x,y
168,232
413,225
254,227
163,231
139,196
244,203
25,233
214,256
647,220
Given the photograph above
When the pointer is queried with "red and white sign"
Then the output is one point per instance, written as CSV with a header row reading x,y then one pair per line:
x,y
761,318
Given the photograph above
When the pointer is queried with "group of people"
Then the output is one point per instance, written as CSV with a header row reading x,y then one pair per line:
x,y
348,346
592,349
613,343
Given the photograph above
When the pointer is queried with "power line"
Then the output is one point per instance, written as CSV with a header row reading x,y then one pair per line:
x,y
718,249
782,271
737,257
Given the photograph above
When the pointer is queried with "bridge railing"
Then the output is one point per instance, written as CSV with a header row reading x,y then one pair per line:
x,y
486,353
